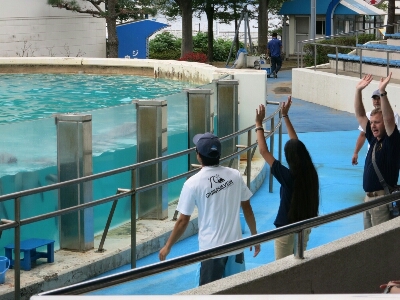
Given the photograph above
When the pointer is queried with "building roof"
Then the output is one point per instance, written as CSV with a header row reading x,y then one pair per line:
x,y
345,7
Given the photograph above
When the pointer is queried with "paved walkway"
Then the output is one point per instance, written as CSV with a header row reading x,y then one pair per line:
x,y
330,136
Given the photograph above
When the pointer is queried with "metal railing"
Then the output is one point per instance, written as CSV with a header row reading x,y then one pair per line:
x,y
300,44
18,222
296,228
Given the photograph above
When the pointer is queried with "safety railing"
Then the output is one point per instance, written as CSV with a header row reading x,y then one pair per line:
x,y
18,222
300,44
296,228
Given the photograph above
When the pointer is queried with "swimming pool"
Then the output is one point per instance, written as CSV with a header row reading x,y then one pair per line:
x,y
35,96
28,147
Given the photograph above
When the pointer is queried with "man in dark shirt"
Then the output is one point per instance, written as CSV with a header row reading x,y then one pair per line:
x,y
274,49
381,131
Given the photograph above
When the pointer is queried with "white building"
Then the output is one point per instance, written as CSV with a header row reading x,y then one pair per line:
x,y
34,28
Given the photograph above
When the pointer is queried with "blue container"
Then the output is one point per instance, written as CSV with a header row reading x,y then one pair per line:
x,y
4,265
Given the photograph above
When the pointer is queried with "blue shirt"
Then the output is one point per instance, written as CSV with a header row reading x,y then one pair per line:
x,y
274,47
284,177
387,157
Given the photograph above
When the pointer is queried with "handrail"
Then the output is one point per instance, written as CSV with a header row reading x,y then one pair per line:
x,y
17,223
188,259
312,41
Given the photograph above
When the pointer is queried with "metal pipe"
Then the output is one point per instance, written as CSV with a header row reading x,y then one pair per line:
x,y
17,250
271,146
248,175
299,245
133,220
185,260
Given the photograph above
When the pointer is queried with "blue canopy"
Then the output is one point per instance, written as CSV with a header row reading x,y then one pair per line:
x,y
345,7
133,37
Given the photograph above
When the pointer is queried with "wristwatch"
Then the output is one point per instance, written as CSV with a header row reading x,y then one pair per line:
x,y
384,94
259,128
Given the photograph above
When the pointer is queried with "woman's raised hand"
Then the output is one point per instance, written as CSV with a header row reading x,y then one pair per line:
x,y
260,115
286,106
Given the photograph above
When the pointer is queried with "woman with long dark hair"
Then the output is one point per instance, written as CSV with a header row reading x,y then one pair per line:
x,y
299,190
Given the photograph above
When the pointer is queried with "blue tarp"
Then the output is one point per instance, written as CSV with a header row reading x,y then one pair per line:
x,y
133,37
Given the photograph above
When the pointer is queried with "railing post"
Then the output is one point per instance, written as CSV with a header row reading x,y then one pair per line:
x,y
299,243
387,63
248,174
315,57
337,59
360,63
17,249
133,219
152,142
271,149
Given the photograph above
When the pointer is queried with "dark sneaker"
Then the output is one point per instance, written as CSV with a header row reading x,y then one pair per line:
x,y
275,75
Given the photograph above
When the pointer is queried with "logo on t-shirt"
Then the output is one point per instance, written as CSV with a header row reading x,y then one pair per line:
x,y
214,180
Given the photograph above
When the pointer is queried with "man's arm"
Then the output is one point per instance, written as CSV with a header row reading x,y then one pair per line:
x,y
387,111
359,143
251,222
179,229
358,104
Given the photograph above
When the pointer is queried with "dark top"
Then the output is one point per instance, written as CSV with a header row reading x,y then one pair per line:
x,y
282,174
387,157
274,46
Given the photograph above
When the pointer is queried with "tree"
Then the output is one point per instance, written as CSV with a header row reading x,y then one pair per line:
x,y
391,16
112,11
183,8
222,10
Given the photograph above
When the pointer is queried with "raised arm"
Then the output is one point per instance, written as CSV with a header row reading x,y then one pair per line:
x,y
358,104
387,111
285,115
262,144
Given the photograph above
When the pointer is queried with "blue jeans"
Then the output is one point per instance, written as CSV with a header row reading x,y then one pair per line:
x,y
276,64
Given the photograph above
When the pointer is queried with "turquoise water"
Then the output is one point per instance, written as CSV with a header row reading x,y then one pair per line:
x,y
34,96
28,150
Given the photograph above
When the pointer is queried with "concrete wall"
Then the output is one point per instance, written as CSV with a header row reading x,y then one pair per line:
x,y
33,28
358,263
337,91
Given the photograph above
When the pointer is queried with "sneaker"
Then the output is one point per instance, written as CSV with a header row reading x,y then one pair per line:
x,y
275,76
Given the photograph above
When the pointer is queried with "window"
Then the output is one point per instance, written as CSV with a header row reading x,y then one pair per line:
x,y
320,27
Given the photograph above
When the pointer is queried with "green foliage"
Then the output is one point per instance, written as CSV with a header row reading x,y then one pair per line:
x,y
165,46
323,51
200,43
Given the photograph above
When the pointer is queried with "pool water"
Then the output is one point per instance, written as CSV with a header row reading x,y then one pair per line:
x,y
34,96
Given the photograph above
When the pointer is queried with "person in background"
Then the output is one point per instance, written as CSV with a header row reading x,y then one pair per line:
x,y
218,192
274,50
299,192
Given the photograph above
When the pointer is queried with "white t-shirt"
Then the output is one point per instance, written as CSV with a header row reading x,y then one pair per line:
x,y
217,192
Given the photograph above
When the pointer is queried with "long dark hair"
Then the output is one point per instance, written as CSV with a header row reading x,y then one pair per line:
x,y
305,195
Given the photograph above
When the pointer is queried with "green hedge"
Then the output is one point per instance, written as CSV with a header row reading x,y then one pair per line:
x,y
323,51
167,46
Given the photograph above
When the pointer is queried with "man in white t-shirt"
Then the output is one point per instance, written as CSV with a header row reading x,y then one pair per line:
x,y
218,192
376,102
